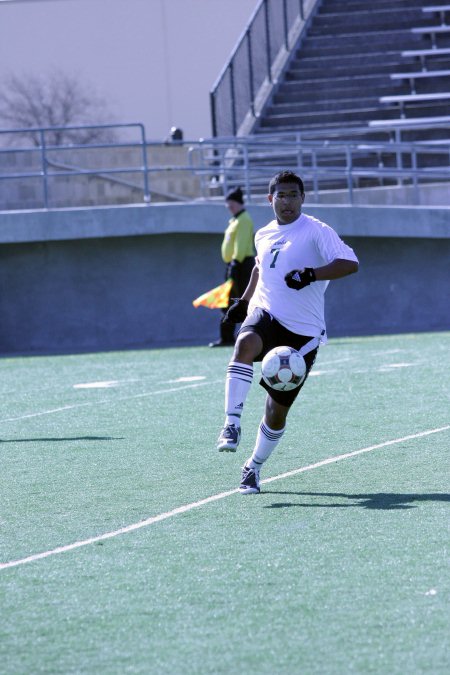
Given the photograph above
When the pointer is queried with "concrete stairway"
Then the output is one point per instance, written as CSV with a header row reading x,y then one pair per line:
x,y
351,69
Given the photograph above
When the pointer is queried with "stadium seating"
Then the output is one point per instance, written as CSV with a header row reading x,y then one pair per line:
x,y
363,63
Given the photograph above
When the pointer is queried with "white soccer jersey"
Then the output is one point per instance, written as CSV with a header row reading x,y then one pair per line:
x,y
307,242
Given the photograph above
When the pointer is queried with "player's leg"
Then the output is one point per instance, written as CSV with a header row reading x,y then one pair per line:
x,y
270,432
273,424
237,385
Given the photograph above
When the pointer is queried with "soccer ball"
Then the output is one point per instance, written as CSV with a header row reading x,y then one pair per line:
x,y
283,368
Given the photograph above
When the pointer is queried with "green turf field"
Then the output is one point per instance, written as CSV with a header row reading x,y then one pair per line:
x,y
341,568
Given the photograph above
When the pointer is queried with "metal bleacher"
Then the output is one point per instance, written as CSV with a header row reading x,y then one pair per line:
x,y
365,94
353,95
356,63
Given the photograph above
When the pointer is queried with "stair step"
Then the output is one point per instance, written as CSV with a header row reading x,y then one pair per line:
x,y
366,49
326,104
369,21
340,76
335,81
355,115
330,69
343,66
370,59
348,132
364,43
313,100
346,6
332,93
336,88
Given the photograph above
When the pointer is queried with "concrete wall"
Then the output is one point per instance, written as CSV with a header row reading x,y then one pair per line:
x,y
125,277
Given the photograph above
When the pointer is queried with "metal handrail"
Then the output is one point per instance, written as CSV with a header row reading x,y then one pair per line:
x,y
232,162
220,163
44,149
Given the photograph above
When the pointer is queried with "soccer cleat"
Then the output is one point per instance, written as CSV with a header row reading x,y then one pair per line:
x,y
229,438
249,481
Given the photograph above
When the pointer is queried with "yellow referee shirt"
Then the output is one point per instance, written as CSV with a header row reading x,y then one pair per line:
x,y
238,238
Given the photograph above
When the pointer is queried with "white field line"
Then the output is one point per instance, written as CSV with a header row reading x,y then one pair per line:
x,y
383,368
202,502
109,400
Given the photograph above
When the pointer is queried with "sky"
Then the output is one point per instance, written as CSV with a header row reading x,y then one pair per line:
x,y
153,61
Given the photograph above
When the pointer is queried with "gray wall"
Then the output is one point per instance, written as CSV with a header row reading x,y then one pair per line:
x,y
125,277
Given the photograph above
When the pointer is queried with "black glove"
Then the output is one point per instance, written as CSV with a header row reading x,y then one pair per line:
x,y
298,279
237,312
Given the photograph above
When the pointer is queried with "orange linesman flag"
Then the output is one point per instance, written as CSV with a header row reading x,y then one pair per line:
x,y
216,298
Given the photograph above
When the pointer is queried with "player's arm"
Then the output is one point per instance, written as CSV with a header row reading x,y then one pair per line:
x,y
237,312
339,267
336,269
248,293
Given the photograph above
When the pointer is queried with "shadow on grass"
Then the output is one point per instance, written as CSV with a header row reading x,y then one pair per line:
x,y
58,440
378,500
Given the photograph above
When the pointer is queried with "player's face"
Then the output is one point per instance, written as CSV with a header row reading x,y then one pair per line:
x,y
287,202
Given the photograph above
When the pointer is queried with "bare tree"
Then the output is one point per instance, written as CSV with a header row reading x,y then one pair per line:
x,y
56,100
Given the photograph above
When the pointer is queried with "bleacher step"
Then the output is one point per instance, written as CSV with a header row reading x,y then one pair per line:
x,y
343,66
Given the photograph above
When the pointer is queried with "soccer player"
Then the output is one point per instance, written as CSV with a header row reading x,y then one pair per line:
x,y
283,304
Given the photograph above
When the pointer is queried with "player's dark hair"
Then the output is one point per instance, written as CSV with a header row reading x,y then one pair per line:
x,y
286,177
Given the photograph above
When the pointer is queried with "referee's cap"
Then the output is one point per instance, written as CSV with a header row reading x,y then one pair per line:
x,y
236,195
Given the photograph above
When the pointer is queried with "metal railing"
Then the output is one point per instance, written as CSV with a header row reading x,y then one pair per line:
x,y
42,165
130,172
244,84
336,167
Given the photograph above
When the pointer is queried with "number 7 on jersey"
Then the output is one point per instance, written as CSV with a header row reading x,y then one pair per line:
x,y
276,251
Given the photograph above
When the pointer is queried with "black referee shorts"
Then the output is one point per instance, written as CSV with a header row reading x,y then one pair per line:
x,y
273,334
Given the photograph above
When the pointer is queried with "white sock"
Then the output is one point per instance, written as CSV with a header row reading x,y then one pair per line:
x,y
237,385
266,441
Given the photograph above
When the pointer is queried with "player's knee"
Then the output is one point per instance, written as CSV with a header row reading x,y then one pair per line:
x,y
275,414
247,348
